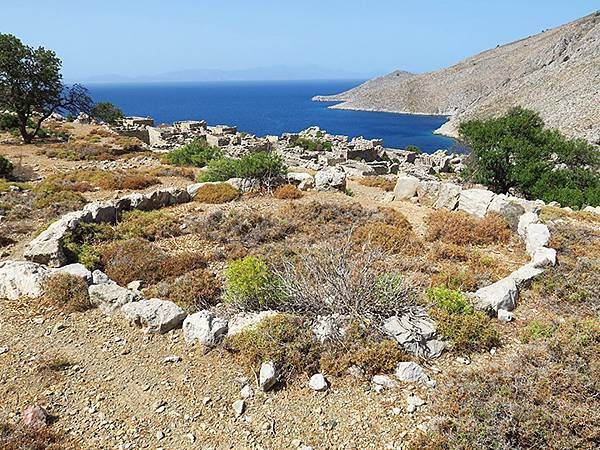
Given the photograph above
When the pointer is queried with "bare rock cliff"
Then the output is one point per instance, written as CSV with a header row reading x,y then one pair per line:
x,y
556,73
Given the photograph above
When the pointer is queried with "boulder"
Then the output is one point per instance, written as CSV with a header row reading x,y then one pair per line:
x,y
525,220
475,201
304,181
410,372
102,211
22,279
511,211
416,332
502,294
544,257
243,184
428,192
247,320
110,296
35,417
448,196
204,327
536,237
318,382
77,269
406,187
332,178
592,210
47,248
267,376
154,315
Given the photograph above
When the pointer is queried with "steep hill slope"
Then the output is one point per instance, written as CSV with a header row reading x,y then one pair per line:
x,y
556,73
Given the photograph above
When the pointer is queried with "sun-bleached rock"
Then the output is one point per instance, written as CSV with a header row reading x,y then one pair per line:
x,y
536,237
99,277
154,315
544,257
267,376
102,211
77,269
502,294
525,220
504,206
406,187
205,328
109,297
318,382
428,192
22,279
415,331
448,196
304,181
410,372
332,178
526,274
247,320
475,201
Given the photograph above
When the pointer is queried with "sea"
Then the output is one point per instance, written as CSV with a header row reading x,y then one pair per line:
x,y
271,108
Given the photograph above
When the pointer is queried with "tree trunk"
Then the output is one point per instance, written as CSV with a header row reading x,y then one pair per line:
x,y
27,137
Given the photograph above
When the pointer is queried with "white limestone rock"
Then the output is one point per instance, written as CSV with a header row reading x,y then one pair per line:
x,y
109,297
101,211
154,315
406,187
99,277
332,178
544,257
524,275
304,181
77,269
504,206
475,201
428,192
247,320
502,294
536,237
318,382
525,220
204,327
448,196
22,279
267,376
385,381
410,372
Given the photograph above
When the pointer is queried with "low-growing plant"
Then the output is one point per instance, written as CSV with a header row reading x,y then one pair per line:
x,y
313,145
6,167
264,167
287,192
250,284
68,292
216,193
195,290
460,228
537,329
283,339
390,238
149,225
450,300
196,153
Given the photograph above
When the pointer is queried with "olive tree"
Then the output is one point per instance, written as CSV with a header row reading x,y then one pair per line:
x,y
31,86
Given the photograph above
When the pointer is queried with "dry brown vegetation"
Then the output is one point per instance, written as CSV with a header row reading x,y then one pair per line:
x,y
14,437
194,290
463,229
216,193
390,238
287,192
67,292
387,184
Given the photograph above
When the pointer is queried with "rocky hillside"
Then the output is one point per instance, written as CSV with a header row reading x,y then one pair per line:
x,y
556,73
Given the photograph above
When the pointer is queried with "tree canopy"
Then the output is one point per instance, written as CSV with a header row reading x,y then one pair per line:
x,y
31,86
517,152
107,112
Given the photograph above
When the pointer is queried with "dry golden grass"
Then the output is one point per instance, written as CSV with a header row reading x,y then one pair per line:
x,y
390,238
67,292
386,184
287,192
460,228
216,193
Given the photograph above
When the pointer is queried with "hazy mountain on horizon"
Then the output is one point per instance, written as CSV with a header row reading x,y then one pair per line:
x,y
270,73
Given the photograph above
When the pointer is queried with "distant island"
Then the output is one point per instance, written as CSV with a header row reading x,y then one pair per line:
x,y
556,73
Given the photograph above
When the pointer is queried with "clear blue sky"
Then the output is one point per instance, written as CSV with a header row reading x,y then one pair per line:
x,y
137,37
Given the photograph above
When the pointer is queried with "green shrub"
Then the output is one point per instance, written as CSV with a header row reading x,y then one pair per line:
x,y
249,283
414,149
8,122
79,244
264,167
197,153
313,145
450,300
283,339
537,329
107,112
149,225
469,330
6,166
516,151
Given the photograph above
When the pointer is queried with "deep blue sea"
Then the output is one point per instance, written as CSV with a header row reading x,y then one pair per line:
x,y
270,107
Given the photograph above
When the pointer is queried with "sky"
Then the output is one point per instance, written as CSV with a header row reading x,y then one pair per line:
x,y
345,38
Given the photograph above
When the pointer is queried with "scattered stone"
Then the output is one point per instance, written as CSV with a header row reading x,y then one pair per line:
x,y
155,315
428,192
411,409
318,383
504,316
267,376
463,360
239,406
172,359
135,285
20,279
411,372
385,381
247,320
204,327
544,257
3,350
35,417
99,277
332,178
416,332
109,297
247,392
415,400
304,181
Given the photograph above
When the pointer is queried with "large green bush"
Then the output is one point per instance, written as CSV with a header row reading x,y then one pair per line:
x,y
516,151
264,167
196,153
107,112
